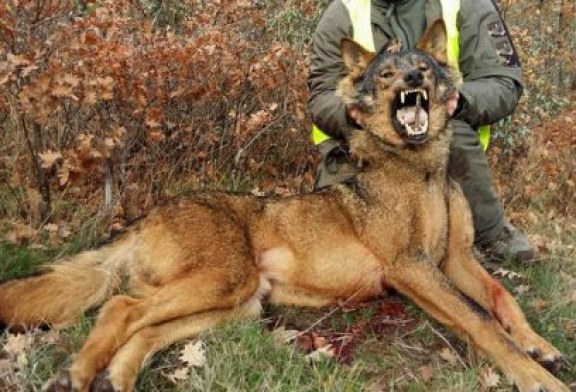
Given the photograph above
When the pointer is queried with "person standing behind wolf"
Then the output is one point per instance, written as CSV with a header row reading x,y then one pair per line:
x,y
492,85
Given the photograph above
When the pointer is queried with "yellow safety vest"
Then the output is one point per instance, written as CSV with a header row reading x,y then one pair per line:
x,y
359,11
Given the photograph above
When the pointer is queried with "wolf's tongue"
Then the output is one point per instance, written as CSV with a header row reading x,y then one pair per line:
x,y
412,115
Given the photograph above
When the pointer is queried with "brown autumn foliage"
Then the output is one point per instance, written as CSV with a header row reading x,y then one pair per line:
x,y
534,153
112,105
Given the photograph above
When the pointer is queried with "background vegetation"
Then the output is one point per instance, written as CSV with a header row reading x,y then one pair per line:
x,y
107,107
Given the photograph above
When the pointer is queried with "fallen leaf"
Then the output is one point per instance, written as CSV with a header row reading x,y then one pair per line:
x,y
521,289
5,364
17,344
51,227
179,375
321,353
281,335
194,354
71,80
319,341
426,372
305,343
539,304
488,379
508,274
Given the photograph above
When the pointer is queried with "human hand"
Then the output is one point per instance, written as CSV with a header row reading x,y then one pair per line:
x,y
452,102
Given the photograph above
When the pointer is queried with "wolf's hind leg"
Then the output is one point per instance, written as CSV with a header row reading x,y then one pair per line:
x,y
122,372
472,279
123,316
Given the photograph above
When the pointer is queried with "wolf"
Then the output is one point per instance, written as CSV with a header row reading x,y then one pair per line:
x,y
200,260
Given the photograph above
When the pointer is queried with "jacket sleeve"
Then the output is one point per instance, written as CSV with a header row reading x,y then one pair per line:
x,y
489,65
327,69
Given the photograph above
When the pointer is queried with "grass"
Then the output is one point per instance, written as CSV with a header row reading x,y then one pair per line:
x,y
244,356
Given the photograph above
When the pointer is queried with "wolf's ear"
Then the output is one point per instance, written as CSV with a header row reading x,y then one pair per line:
x,y
434,41
355,56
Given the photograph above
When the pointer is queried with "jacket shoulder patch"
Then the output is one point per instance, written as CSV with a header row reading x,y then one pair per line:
x,y
503,44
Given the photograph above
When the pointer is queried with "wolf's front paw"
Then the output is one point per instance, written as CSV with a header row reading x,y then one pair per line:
x,y
540,350
539,380
553,361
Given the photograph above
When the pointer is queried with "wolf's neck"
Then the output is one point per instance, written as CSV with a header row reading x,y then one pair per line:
x,y
383,159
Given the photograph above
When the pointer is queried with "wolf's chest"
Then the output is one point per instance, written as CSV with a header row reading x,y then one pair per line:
x,y
408,218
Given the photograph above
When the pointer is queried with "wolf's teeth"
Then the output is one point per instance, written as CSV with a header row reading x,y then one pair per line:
x,y
423,128
417,91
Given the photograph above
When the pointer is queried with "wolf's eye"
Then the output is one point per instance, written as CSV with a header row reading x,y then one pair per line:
x,y
386,74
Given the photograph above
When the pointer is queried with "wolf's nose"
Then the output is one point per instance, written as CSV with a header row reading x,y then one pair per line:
x,y
414,78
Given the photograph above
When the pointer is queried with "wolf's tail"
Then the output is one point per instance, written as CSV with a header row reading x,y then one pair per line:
x,y
68,287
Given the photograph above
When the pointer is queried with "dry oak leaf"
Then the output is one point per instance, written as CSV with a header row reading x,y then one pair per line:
x,y
179,375
321,353
281,335
71,80
426,372
539,304
511,275
17,60
5,364
49,158
17,344
194,354
521,289
489,378
51,227
62,90
319,341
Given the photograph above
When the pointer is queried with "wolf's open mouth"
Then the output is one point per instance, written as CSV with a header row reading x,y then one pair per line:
x,y
410,114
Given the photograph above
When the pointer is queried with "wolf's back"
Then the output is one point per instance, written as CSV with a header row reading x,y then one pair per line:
x,y
68,288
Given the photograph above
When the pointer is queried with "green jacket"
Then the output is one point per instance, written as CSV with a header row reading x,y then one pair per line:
x,y
488,62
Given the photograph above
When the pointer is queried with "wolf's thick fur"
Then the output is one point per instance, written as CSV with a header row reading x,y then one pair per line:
x,y
209,257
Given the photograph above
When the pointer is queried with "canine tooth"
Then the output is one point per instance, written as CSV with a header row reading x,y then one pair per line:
x,y
402,96
425,94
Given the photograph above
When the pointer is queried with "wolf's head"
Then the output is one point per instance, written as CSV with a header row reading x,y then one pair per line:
x,y
400,97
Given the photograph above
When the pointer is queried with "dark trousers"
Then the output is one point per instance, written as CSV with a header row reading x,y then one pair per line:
x,y
468,165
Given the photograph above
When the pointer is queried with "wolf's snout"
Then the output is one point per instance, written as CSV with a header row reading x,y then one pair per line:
x,y
414,78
